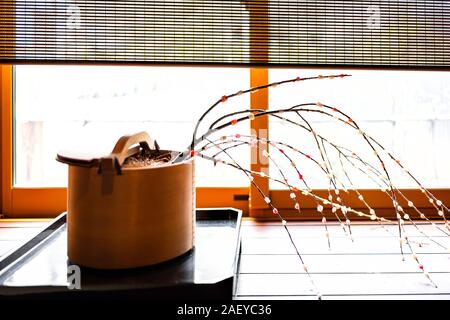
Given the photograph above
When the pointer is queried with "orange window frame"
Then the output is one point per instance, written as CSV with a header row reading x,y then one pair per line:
x,y
281,198
48,202
17,202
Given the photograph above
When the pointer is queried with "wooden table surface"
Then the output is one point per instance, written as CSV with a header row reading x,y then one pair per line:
x,y
371,267
13,232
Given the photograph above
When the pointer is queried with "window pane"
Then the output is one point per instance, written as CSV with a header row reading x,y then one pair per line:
x,y
88,108
407,112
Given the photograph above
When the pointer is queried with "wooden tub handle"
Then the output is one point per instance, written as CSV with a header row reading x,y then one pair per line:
x,y
122,150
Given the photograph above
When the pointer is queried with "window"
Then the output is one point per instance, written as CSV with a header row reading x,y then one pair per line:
x,y
62,107
367,34
55,109
407,112
88,108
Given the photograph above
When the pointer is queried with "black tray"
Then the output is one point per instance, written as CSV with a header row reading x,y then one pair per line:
x,y
39,268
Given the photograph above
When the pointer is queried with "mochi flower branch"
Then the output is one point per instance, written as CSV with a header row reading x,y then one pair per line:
x,y
340,174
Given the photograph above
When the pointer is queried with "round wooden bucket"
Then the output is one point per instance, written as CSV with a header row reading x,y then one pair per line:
x,y
126,217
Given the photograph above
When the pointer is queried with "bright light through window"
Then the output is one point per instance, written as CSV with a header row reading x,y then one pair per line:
x,y
408,112
87,109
